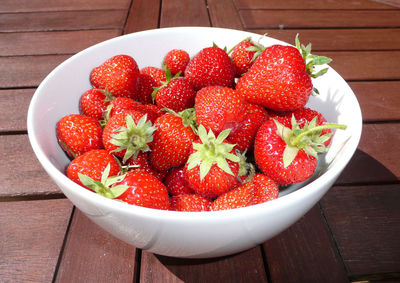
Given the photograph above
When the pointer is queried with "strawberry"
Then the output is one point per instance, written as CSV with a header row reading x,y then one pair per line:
x,y
244,135
92,164
280,79
149,78
128,133
119,75
244,54
121,104
213,166
142,163
239,197
78,134
176,61
172,140
218,108
176,183
190,202
287,153
175,93
94,102
210,67
143,189
265,189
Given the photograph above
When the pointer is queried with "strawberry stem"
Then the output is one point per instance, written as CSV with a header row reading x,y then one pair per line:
x,y
317,128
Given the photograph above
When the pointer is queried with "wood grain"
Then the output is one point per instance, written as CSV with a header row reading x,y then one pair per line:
x,y
293,255
223,14
93,255
27,71
31,238
20,172
63,20
243,267
184,13
255,19
365,222
143,15
310,4
59,42
14,107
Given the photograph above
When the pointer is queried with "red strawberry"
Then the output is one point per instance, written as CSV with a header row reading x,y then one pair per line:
x,y
213,166
172,140
190,202
265,189
218,108
210,67
128,133
176,183
280,79
142,163
78,134
176,61
94,102
239,197
119,75
92,164
149,78
175,93
287,153
244,54
143,189
243,136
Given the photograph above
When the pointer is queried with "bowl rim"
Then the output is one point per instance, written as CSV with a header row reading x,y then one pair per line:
x,y
111,205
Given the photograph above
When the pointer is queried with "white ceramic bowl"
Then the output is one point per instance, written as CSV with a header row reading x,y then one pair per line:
x,y
183,234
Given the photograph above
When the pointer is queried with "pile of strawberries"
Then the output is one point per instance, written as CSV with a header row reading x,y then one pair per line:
x,y
180,137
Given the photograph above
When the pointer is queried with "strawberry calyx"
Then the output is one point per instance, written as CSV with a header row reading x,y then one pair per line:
x,y
257,47
105,186
212,150
134,137
308,138
188,117
168,78
245,168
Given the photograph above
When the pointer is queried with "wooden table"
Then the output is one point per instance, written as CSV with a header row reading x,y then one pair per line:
x,y
352,234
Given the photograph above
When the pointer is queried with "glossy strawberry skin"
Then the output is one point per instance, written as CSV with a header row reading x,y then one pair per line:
x,y
178,95
242,58
218,108
176,183
210,67
239,197
171,143
92,164
176,61
149,78
122,104
190,203
142,163
265,189
243,136
119,75
268,154
277,80
78,134
144,190
93,103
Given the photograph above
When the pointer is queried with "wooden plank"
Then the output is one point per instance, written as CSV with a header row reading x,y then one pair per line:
x,y
254,19
243,267
223,14
58,42
93,255
365,65
27,71
379,101
184,13
377,157
50,5
63,20
31,237
143,15
21,174
305,252
340,39
311,4
365,222
10,100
